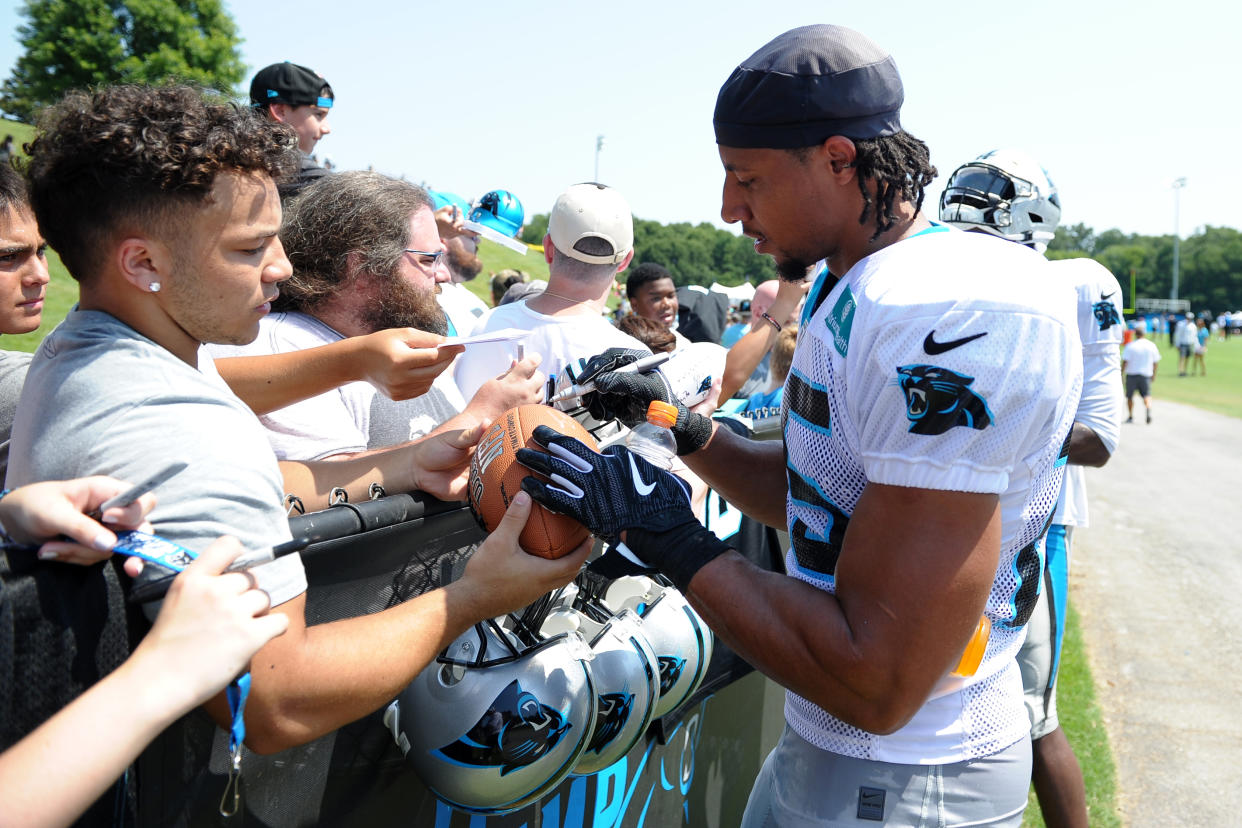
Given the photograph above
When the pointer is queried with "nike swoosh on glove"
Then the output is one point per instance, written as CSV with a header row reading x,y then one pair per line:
x,y
616,492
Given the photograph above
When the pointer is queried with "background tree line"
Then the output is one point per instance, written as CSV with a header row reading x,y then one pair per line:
x,y
695,254
1210,263
71,44
75,44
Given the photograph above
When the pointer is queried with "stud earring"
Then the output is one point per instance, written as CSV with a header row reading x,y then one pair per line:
x,y
154,287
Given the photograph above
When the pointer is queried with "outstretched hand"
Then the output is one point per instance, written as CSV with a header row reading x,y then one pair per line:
x,y
522,384
450,222
502,577
402,363
442,462
43,512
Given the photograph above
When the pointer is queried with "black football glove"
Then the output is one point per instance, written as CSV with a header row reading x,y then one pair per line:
x,y
601,408
625,396
616,492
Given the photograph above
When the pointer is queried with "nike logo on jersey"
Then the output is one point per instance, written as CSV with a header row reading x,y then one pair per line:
x,y
642,488
1104,296
932,347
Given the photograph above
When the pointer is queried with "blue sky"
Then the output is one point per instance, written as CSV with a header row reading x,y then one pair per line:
x,y
1115,99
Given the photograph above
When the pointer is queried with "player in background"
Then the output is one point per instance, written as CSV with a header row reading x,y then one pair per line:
x,y
1006,193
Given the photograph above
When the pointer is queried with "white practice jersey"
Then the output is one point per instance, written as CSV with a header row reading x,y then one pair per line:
x,y
1101,327
947,361
559,341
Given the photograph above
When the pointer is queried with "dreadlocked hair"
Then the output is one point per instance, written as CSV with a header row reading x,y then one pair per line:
x,y
900,165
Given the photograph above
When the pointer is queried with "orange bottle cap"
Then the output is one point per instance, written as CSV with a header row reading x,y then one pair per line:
x,y
662,414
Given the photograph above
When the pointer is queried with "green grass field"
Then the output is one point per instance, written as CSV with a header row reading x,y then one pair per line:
x,y
1219,391
1080,717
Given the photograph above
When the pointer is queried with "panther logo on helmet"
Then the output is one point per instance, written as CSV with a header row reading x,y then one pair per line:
x,y
679,638
515,731
499,718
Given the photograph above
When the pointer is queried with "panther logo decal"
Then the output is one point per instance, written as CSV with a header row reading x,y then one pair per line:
x,y
938,399
1105,313
670,671
515,731
614,712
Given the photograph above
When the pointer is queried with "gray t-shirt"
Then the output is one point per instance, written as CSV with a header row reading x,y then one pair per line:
x,y
103,399
13,365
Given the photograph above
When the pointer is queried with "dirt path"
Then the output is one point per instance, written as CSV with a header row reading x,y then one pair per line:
x,y
1157,579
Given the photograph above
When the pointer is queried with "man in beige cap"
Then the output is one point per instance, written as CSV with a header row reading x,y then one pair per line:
x,y
590,240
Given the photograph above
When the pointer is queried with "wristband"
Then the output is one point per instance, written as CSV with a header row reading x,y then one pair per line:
x,y
678,553
775,324
691,431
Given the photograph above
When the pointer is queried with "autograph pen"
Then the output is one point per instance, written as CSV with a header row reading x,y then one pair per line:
x,y
642,366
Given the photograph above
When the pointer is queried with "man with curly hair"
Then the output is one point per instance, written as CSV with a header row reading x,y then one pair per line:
x,y
163,205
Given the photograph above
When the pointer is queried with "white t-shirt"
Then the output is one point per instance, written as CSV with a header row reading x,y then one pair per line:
x,y
462,307
1140,358
560,340
1101,328
351,418
946,361
1185,334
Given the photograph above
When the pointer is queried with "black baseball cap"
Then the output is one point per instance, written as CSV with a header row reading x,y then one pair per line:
x,y
288,83
807,85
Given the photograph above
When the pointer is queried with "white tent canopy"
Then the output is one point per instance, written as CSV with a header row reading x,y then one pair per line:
x,y
741,293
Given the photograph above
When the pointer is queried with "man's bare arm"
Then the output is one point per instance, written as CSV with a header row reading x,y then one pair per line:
x,y
313,680
909,595
402,363
746,354
437,464
749,474
1086,448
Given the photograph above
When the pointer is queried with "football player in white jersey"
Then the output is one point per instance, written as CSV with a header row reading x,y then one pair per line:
x,y
932,392
1006,193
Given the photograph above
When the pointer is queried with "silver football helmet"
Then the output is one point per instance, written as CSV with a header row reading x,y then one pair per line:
x,y
680,639
499,718
1005,193
626,673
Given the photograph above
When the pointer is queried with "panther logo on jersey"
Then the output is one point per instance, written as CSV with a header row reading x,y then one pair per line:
x,y
1105,313
515,731
938,399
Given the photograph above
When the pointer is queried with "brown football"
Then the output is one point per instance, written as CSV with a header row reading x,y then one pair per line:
x,y
496,476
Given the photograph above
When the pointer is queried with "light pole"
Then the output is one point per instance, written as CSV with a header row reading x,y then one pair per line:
x,y
599,145
1178,183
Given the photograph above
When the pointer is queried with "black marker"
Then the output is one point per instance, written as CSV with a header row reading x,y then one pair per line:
x,y
134,492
